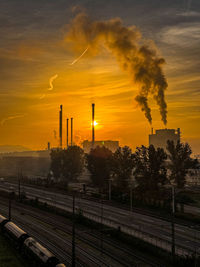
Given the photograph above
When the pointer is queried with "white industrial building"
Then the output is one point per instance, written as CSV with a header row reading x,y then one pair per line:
x,y
161,136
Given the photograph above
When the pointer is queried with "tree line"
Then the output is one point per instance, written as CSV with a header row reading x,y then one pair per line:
x,y
148,171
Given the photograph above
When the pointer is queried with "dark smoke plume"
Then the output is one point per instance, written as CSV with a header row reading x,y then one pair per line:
x,y
142,100
134,55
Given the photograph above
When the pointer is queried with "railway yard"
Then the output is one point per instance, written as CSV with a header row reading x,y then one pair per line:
x,y
93,246
92,249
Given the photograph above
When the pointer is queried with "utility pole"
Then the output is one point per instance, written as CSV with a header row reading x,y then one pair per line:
x,y
9,207
73,234
101,246
19,186
131,198
195,239
93,137
60,124
71,131
67,133
172,224
110,185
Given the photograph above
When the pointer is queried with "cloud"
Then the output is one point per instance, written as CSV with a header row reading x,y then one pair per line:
x,y
11,118
182,35
189,14
51,82
42,96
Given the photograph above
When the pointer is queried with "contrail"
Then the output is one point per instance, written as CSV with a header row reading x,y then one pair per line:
x,y
42,96
11,118
51,82
77,59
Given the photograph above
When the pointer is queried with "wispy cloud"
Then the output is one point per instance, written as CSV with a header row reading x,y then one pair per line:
x,y
51,82
3,121
42,96
189,14
182,35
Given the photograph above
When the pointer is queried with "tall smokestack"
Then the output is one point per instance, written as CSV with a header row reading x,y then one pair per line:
x,y
48,146
93,106
60,126
67,132
71,131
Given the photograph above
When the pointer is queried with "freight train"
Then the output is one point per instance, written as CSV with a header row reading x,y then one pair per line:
x,y
28,246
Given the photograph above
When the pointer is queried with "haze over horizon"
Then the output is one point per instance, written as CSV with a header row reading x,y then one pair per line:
x,y
37,74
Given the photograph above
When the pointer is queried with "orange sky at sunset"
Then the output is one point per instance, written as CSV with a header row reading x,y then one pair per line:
x,y
29,111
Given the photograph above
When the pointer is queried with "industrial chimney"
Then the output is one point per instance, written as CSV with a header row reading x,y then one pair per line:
x,y
71,131
93,137
60,126
48,146
67,133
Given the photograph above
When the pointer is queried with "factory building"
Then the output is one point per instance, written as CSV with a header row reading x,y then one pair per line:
x,y
193,177
88,145
161,136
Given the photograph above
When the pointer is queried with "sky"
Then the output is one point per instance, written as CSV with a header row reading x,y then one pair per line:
x,y
37,74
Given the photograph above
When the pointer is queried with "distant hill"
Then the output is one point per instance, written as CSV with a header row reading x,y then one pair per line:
x,y
12,148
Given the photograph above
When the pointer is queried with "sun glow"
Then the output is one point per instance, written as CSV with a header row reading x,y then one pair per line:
x,y
95,123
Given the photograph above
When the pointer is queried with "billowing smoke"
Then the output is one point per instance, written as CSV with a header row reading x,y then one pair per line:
x,y
55,134
142,100
136,56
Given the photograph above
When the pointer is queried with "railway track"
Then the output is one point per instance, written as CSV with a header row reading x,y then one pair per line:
x,y
111,249
144,227
142,211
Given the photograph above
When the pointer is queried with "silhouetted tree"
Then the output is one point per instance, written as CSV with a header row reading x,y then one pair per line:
x,y
150,171
99,164
180,162
68,163
122,166
73,162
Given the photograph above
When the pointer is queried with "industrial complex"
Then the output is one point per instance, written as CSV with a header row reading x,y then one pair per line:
x,y
161,136
37,163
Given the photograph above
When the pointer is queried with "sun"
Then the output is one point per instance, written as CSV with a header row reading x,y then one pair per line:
x,y
95,123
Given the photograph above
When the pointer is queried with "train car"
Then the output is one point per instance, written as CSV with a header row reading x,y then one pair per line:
x,y
42,256
15,233
28,245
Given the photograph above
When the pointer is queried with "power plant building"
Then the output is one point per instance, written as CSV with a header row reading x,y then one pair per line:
x,y
161,136
88,145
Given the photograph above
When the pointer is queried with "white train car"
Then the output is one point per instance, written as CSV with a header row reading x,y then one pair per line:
x,y
40,253
15,233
